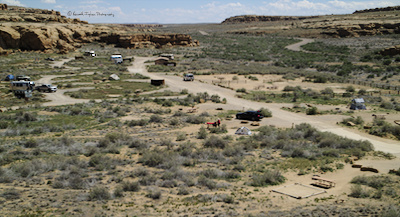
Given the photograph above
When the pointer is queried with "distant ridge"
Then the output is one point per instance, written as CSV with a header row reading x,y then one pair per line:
x,y
257,18
394,8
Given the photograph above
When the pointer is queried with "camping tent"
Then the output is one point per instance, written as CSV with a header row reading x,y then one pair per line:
x,y
243,131
114,77
9,78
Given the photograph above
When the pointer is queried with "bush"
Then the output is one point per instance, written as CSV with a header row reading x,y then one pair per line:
x,y
99,193
215,142
266,112
241,90
155,119
202,134
11,194
154,193
194,119
219,130
267,178
357,191
141,122
204,181
181,137
118,192
183,191
312,111
130,186
31,143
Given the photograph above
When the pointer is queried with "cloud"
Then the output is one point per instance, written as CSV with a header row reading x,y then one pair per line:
x,y
12,2
48,1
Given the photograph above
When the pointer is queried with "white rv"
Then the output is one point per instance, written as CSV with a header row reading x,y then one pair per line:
x,y
22,89
117,58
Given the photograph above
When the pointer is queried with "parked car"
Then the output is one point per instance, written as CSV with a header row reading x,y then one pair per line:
x,y
46,88
49,59
23,78
188,77
250,115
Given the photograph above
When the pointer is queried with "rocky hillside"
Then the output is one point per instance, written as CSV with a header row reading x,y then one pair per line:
x,y
395,8
23,29
255,18
379,21
21,14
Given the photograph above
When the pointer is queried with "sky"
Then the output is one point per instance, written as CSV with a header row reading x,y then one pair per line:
x,y
194,11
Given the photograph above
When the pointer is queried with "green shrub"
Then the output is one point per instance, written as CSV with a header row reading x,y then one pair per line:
x,y
266,112
155,119
241,90
267,178
219,130
204,181
130,186
357,191
141,122
396,172
215,142
181,137
99,193
154,193
118,192
31,143
183,191
11,194
312,111
202,134
195,119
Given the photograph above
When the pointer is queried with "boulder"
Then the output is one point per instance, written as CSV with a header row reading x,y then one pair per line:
x,y
391,51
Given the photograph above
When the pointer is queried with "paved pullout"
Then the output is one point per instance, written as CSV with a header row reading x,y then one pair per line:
x,y
281,118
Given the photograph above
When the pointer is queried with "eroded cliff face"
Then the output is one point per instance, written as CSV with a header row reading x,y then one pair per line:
x,y
61,35
378,21
256,18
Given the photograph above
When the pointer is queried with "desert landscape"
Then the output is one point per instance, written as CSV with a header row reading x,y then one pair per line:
x,y
124,135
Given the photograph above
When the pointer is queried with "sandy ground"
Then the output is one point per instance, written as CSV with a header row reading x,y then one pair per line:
x,y
280,117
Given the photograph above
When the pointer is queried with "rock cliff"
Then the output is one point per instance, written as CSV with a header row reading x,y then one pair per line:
x,y
23,29
378,21
255,18
368,29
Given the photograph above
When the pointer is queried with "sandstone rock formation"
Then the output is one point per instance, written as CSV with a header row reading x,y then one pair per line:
x,y
20,14
62,34
368,29
3,7
361,23
255,18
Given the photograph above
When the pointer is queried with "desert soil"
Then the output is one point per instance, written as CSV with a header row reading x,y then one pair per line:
x,y
281,118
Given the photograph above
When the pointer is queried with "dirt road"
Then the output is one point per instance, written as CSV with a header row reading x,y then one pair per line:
x,y
297,46
280,117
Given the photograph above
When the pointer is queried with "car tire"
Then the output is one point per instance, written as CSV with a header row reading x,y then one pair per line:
x,y
253,118
238,117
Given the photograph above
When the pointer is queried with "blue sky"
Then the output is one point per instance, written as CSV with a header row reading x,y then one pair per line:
x,y
194,11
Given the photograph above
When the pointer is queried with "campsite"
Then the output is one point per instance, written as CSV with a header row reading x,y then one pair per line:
x,y
125,135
